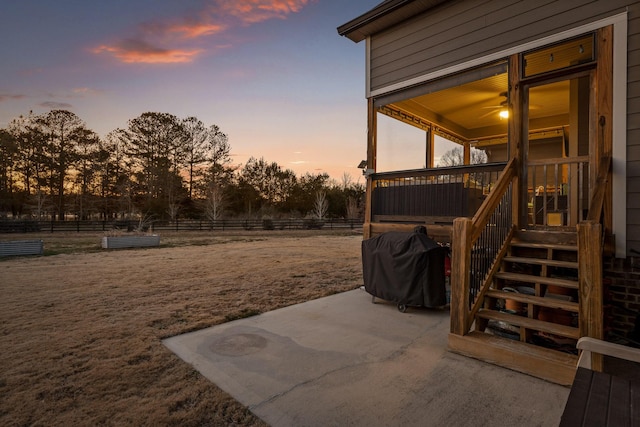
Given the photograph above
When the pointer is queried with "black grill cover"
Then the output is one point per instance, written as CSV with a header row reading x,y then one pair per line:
x,y
405,268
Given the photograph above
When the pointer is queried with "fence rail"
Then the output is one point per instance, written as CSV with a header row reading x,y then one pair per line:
x,y
31,226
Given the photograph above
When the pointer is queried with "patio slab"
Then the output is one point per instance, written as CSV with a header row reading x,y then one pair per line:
x,y
341,360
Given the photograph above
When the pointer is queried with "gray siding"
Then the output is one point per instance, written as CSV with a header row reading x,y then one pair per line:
x,y
463,30
633,130
460,31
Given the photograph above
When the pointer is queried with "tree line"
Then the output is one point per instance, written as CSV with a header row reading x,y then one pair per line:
x,y
52,166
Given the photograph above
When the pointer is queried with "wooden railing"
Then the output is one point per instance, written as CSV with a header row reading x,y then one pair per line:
x,y
431,195
557,190
477,246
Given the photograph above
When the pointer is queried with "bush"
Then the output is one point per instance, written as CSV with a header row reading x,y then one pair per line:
x,y
267,224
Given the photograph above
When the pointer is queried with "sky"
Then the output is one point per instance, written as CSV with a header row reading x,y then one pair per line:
x,y
274,75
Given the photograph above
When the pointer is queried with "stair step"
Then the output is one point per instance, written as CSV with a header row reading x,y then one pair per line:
x,y
571,306
560,237
542,261
534,324
540,362
535,245
527,278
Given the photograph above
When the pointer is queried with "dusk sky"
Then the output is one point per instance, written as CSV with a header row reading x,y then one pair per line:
x,y
274,75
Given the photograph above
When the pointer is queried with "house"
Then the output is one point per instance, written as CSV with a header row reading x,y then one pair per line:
x,y
542,209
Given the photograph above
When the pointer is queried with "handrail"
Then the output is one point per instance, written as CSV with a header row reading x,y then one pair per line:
x,y
466,233
491,202
460,169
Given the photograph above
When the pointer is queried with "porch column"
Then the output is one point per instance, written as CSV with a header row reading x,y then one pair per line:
x,y
467,153
515,134
372,156
604,102
430,147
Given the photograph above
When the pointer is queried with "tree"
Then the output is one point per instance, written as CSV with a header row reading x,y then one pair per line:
x,y
195,148
87,168
113,176
218,155
455,157
30,161
214,204
320,206
8,155
155,142
62,130
303,195
272,184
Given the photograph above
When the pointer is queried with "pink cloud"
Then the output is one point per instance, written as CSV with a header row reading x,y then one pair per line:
x,y
253,11
198,29
172,41
139,51
7,96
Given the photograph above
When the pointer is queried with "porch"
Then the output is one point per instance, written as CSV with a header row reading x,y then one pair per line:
x,y
520,298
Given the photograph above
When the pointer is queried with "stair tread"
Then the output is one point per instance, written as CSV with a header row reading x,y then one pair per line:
x,y
527,278
549,364
535,324
542,261
555,246
541,301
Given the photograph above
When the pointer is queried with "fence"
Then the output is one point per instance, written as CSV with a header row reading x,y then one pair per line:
x,y
30,226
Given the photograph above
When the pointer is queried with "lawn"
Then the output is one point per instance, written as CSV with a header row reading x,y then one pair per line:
x,y
81,327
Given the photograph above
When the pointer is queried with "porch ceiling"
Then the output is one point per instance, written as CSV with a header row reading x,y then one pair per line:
x,y
471,110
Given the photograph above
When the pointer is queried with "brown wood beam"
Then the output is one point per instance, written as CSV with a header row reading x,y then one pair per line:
x,y
516,135
460,268
590,316
372,159
604,101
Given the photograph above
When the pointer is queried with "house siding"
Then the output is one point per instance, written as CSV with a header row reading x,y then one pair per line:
x,y
460,31
457,32
633,130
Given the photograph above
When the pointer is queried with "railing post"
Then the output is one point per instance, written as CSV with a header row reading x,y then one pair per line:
x,y
460,267
590,283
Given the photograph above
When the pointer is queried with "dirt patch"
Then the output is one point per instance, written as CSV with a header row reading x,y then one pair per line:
x,y
81,332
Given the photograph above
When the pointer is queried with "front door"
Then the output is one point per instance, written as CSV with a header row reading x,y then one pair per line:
x,y
557,147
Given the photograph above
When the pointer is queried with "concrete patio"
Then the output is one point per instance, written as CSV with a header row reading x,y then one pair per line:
x,y
341,360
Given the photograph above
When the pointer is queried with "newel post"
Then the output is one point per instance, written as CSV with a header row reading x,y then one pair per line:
x,y
590,284
460,268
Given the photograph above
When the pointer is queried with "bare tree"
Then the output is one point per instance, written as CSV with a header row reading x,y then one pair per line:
x,y
346,180
321,205
214,203
353,211
455,157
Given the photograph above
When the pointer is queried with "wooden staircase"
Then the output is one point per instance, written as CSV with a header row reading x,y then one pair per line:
x,y
529,318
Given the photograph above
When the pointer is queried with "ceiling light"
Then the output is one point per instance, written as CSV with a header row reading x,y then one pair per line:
x,y
504,114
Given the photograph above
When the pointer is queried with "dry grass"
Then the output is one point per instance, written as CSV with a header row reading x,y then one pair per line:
x,y
81,331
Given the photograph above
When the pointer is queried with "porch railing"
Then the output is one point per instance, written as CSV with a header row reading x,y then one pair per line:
x,y
558,191
431,195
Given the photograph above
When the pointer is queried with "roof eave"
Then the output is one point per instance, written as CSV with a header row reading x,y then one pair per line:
x,y
385,15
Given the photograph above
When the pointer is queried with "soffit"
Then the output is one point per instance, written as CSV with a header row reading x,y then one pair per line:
x,y
385,15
